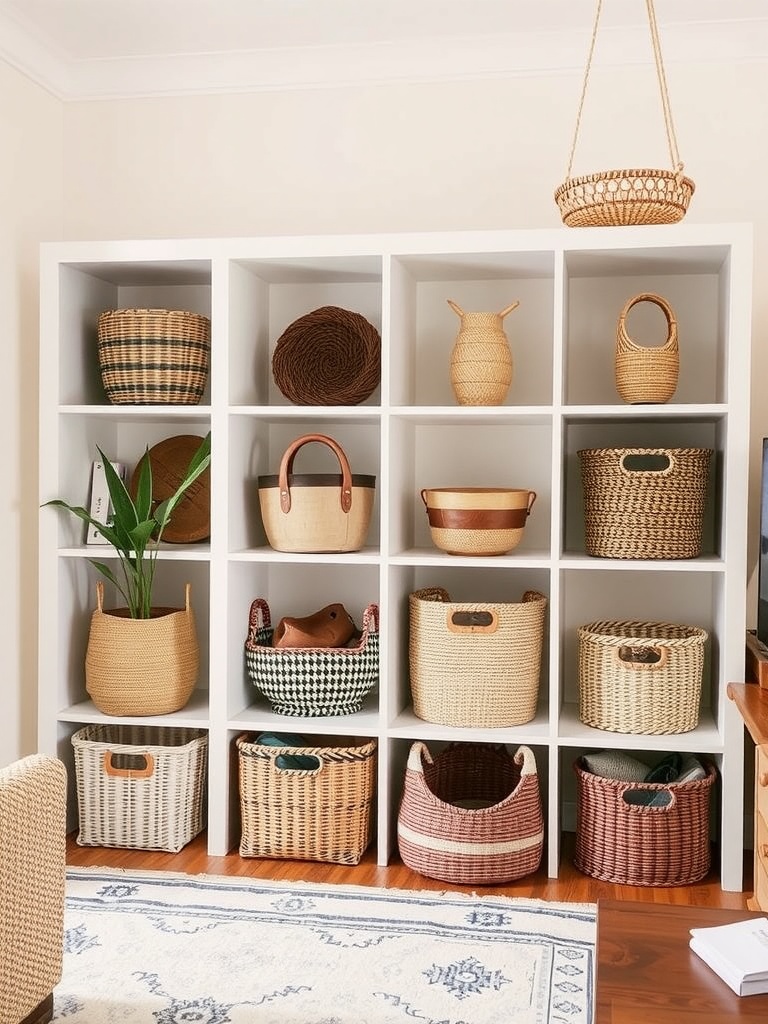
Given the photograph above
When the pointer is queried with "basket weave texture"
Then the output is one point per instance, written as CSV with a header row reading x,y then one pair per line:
x,y
472,814
632,844
640,677
312,681
140,786
622,197
647,374
141,666
308,814
644,512
331,356
153,356
475,664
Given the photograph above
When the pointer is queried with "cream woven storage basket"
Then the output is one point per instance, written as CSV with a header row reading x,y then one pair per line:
x,y
475,664
321,813
140,786
153,356
640,677
647,373
644,502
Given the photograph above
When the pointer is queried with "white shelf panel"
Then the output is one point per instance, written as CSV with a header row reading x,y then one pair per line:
x,y
704,739
407,726
704,564
516,559
194,716
367,556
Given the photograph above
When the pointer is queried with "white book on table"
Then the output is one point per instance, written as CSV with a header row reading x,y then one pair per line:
x,y
737,952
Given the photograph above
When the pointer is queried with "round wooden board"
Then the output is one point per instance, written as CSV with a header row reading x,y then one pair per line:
x,y
191,520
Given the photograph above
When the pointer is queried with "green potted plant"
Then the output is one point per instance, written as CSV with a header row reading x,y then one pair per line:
x,y
141,659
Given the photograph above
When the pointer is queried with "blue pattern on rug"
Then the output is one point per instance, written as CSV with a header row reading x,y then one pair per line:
x,y
148,948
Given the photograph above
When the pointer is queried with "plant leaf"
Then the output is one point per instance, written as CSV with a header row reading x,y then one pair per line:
x,y
123,509
143,498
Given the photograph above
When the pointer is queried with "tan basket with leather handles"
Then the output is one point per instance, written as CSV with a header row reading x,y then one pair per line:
x,y
627,196
313,512
647,373
475,664
640,677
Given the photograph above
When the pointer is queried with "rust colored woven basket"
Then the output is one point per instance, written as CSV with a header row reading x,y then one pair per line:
x,y
140,786
632,844
331,356
475,664
322,813
644,502
472,814
647,373
153,356
626,196
640,677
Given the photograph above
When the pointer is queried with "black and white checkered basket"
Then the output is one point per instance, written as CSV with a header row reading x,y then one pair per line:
x,y
312,681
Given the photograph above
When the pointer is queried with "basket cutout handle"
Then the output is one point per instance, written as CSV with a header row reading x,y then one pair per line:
x,y
644,659
647,462
674,154
646,800
472,620
286,468
118,765
763,779
285,761
623,341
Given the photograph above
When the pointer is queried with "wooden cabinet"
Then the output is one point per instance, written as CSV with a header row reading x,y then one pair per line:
x,y
410,433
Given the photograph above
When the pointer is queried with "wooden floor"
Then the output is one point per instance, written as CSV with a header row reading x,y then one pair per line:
x,y
571,885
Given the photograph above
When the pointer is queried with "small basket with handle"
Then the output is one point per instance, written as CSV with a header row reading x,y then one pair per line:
x,y
647,374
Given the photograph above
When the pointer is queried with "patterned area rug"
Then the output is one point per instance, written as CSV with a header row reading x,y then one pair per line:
x,y
155,948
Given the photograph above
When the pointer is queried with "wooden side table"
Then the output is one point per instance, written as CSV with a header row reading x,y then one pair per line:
x,y
752,702
647,974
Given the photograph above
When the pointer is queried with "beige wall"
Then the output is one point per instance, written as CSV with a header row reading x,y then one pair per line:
x,y
31,181
433,156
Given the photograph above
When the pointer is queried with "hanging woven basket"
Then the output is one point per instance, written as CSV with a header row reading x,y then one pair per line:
x,y
627,196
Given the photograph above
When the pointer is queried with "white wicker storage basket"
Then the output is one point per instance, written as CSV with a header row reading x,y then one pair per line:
x,y
140,786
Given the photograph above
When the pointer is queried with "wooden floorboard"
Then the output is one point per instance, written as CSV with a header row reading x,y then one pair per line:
x,y
571,885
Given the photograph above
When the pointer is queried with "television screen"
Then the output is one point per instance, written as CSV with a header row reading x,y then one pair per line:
x,y
762,565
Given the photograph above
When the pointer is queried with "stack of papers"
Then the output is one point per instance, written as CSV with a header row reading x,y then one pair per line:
x,y
737,952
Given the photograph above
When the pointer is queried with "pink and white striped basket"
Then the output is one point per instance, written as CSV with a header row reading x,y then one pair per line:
x,y
472,814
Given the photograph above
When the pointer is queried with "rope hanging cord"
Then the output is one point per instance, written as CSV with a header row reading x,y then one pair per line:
x,y
668,124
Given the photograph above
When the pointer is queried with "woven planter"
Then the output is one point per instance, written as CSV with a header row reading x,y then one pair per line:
x,y
472,814
322,813
331,356
312,681
481,360
475,664
647,374
644,502
141,666
153,356
311,512
640,677
635,844
140,786
626,196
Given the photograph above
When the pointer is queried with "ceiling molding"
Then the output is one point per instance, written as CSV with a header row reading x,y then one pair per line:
x,y
437,59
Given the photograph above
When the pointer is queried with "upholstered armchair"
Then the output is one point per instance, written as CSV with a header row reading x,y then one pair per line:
x,y
32,868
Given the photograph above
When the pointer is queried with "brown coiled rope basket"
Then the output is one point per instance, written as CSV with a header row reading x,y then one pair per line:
x,y
153,356
331,356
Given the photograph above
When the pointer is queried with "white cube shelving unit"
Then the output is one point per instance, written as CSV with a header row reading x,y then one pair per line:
x,y
411,434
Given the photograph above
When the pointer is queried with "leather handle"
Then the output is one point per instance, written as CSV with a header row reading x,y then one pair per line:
x,y
763,779
130,773
286,468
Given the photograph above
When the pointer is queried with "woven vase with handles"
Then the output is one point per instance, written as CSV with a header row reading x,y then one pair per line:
x,y
647,374
481,361
141,666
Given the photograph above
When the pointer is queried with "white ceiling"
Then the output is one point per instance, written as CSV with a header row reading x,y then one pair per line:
x,y
81,49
